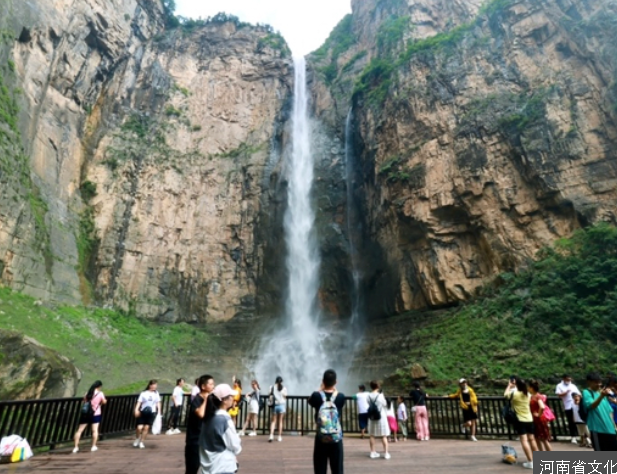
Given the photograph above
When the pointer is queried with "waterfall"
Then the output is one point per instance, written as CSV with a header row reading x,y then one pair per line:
x,y
295,349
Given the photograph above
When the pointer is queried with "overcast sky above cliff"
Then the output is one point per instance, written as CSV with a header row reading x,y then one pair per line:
x,y
304,24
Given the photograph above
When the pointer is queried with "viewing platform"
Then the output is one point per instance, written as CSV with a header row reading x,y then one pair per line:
x,y
165,454
49,425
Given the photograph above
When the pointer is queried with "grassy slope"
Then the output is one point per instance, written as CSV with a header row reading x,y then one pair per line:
x,y
121,350
559,315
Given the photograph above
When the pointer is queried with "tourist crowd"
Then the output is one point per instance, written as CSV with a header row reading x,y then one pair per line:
x,y
213,444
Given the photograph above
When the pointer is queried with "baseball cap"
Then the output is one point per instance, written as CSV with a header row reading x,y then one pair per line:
x,y
462,381
223,390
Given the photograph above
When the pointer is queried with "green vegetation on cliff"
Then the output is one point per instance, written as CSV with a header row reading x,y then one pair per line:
x,y
376,80
14,166
113,346
509,112
273,39
340,40
391,33
560,314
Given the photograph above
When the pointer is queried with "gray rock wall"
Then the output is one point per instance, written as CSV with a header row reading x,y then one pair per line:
x,y
148,160
30,371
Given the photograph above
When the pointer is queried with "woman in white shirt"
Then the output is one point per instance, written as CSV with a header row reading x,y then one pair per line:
x,y
278,395
378,428
148,405
251,419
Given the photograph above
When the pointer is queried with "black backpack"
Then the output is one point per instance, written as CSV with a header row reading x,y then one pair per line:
x,y
508,413
374,413
86,408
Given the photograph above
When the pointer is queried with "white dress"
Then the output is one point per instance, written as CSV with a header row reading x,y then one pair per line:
x,y
380,427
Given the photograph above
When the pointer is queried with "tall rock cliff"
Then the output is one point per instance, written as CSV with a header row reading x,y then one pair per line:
x,y
141,166
482,131
142,169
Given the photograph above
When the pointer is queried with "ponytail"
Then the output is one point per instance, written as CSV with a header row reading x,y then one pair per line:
x,y
92,388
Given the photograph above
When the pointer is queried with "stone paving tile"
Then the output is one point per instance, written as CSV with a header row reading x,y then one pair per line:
x,y
165,454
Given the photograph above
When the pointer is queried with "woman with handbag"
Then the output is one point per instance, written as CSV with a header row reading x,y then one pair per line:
x,y
91,414
469,404
541,414
148,405
278,401
251,419
517,393
418,397
378,428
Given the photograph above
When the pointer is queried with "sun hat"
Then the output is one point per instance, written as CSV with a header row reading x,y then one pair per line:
x,y
223,390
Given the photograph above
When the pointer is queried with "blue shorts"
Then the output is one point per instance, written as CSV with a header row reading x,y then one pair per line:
x,y
86,419
278,409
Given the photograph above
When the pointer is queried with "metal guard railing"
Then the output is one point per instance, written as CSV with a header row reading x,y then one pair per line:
x,y
51,422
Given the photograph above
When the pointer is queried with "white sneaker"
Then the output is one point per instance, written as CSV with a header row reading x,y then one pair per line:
x,y
136,442
169,431
280,439
141,446
241,433
473,438
463,429
574,441
373,455
386,456
177,431
75,450
528,465
94,448
252,433
270,438
426,439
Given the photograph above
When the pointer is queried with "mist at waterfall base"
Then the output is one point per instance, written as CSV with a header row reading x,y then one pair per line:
x,y
303,344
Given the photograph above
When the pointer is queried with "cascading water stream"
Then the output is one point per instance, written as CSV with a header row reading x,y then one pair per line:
x,y
352,220
295,350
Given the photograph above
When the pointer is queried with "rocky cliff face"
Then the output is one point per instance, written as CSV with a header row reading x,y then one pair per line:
x,y
140,166
481,133
148,158
29,370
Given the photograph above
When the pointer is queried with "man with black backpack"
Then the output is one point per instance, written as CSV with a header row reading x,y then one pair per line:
x,y
328,404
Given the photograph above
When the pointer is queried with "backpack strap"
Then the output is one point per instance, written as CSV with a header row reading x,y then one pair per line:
x,y
332,397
